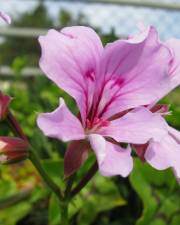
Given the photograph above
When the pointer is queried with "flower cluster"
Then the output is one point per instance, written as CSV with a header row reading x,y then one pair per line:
x,y
116,88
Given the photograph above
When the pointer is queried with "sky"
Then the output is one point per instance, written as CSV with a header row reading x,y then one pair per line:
x,y
124,19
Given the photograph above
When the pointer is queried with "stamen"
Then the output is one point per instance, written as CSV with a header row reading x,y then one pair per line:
x,y
96,124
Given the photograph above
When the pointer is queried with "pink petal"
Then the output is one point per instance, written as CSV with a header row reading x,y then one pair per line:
x,y
137,127
174,46
174,133
70,58
75,156
5,17
132,72
164,154
98,144
61,124
112,159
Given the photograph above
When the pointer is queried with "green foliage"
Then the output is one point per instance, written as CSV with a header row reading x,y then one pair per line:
x,y
11,215
54,211
20,188
100,195
159,192
173,100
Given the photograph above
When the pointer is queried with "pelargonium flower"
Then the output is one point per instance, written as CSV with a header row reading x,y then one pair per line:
x,y
110,85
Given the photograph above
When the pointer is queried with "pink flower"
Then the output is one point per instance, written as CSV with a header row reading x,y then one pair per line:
x,y
5,17
106,83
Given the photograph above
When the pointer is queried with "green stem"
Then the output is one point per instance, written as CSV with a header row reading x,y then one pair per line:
x,y
50,183
15,126
64,214
87,177
69,185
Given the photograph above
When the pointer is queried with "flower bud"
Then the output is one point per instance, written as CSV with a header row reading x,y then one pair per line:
x,y
13,149
4,103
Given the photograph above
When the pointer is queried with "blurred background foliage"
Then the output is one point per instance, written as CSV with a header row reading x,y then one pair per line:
x,y
147,197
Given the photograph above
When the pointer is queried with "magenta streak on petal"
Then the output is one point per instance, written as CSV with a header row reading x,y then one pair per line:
x,y
97,123
95,107
107,106
120,62
116,95
77,82
119,82
73,78
81,72
90,74
109,79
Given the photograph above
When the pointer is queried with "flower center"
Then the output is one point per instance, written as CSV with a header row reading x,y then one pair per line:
x,y
95,124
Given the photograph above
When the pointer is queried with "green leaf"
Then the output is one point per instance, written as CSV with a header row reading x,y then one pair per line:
x,y
11,215
54,211
100,195
54,167
159,193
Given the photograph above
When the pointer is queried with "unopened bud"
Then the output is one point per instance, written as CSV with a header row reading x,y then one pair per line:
x,y
13,149
4,103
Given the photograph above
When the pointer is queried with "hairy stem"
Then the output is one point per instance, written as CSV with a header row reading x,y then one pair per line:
x,y
69,185
64,214
87,177
15,126
50,183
